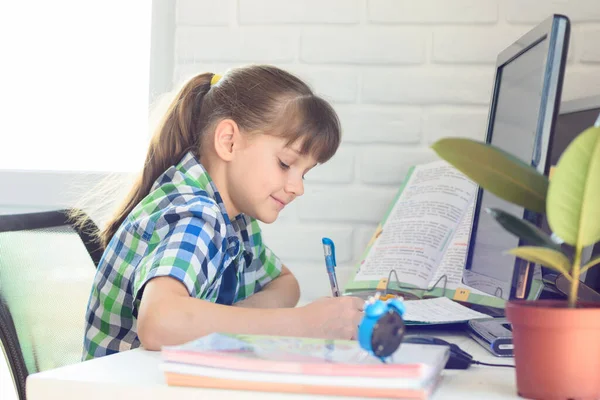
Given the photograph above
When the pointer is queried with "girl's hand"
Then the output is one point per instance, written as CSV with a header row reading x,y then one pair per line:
x,y
332,317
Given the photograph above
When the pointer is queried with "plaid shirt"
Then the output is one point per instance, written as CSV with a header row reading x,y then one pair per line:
x,y
181,230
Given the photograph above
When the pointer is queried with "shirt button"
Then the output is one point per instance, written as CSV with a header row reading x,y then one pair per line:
x,y
233,246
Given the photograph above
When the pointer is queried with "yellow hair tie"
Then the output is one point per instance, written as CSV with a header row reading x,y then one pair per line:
x,y
216,78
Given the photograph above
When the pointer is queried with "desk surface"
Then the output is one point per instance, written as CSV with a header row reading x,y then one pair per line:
x,y
136,374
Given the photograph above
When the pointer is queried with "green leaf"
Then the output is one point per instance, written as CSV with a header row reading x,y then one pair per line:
x,y
544,256
523,229
574,192
590,264
496,171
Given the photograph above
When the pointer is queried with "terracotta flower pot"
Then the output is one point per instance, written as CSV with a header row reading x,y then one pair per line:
x,y
557,349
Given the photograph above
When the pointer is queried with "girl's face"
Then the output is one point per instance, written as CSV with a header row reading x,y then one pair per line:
x,y
265,176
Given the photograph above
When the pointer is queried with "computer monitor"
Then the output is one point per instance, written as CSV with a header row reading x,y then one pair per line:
x,y
522,114
574,117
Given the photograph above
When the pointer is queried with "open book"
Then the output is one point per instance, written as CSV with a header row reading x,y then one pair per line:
x,y
303,365
424,238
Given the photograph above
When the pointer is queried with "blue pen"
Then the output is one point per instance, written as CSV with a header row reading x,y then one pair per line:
x,y
329,250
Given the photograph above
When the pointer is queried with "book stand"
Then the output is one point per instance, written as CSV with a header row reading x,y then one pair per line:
x,y
443,278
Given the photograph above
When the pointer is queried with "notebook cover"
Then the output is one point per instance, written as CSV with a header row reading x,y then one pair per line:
x,y
304,356
301,379
174,379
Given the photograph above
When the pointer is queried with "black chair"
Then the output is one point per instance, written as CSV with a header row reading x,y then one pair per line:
x,y
47,265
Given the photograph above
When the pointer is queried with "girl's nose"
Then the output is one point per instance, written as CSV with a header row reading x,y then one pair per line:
x,y
295,186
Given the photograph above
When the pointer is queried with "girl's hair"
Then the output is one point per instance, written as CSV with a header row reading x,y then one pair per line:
x,y
259,98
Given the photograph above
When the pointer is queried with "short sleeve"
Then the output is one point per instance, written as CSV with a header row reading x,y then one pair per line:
x,y
186,244
271,266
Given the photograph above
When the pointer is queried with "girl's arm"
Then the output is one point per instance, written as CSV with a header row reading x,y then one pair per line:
x,y
281,292
168,315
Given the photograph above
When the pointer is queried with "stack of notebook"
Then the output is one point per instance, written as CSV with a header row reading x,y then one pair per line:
x,y
301,365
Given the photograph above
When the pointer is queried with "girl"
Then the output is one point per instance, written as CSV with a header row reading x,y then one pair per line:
x,y
184,254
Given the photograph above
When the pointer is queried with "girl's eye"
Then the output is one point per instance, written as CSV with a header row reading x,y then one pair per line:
x,y
283,165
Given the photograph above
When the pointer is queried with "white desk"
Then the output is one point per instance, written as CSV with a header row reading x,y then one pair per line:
x,y
135,374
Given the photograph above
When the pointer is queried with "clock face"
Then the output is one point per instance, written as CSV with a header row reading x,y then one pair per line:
x,y
387,334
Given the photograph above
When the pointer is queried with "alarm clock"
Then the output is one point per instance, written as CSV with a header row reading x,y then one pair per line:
x,y
382,328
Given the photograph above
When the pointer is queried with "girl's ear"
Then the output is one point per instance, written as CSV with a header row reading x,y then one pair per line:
x,y
226,139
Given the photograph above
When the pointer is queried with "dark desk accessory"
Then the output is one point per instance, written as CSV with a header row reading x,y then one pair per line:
x,y
561,286
459,359
494,334
488,310
449,327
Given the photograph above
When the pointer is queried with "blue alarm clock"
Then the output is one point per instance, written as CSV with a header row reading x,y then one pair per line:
x,y
382,328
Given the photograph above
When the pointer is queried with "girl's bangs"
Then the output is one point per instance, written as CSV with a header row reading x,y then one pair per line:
x,y
312,122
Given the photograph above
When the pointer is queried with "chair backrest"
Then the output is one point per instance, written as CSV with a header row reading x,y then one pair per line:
x,y
47,267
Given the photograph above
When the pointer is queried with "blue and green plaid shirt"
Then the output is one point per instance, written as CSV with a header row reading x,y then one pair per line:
x,y
181,230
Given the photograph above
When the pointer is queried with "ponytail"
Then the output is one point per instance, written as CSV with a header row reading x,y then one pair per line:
x,y
261,99
178,132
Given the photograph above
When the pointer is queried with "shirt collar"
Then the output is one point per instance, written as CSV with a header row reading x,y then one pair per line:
x,y
197,176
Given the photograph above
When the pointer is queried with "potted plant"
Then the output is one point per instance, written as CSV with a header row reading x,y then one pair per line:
x,y
556,343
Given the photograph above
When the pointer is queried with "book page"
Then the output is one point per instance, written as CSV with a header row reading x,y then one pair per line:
x,y
420,225
440,310
453,260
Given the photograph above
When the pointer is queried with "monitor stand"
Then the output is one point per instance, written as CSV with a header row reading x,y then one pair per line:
x,y
556,286
491,311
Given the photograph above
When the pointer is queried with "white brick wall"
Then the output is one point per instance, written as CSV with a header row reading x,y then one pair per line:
x,y
531,11
433,11
400,73
590,46
263,12
368,46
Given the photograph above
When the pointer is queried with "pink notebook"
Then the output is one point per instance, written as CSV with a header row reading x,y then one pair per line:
x,y
302,358
419,393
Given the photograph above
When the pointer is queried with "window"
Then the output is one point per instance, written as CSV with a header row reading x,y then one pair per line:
x,y
74,85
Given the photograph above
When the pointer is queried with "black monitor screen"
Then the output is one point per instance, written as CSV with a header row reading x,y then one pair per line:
x,y
569,124
514,128
523,110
